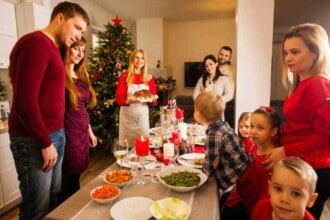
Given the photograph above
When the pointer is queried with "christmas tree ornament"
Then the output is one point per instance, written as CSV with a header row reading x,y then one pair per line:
x,y
116,21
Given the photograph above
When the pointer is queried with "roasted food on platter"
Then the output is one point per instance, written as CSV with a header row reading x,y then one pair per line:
x,y
144,93
119,176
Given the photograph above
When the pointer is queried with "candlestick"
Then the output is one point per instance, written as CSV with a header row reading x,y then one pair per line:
x,y
168,149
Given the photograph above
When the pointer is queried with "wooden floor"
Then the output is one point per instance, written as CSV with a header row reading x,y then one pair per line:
x,y
99,160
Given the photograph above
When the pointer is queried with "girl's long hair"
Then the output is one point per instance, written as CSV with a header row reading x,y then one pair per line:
x,y
317,42
130,70
81,72
205,74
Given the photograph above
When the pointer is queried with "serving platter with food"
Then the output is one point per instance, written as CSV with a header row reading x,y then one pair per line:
x,y
105,194
118,178
182,178
194,160
143,95
170,208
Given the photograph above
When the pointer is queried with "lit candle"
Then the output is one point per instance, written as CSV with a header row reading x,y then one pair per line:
x,y
142,145
168,149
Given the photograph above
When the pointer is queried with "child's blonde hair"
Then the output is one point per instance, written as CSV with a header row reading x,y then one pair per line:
x,y
301,168
209,105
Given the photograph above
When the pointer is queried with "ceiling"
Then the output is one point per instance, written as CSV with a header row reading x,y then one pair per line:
x,y
286,13
170,9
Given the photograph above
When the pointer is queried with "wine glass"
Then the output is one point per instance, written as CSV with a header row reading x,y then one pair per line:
x,y
142,150
120,151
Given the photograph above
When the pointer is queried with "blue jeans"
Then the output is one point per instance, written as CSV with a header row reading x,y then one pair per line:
x,y
40,190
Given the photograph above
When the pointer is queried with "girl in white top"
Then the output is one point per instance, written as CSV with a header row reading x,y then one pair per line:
x,y
213,80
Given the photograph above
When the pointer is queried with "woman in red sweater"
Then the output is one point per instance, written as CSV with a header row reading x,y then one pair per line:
x,y
306,133
134,114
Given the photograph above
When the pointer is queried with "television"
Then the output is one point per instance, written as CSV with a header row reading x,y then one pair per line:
x,y
192,72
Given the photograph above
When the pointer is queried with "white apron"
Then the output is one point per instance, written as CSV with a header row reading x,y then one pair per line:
x,y
133,119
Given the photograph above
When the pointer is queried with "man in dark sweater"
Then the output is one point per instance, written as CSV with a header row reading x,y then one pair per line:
x,y
36,120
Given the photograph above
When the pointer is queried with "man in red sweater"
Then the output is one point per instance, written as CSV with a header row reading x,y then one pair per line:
x,y
36,120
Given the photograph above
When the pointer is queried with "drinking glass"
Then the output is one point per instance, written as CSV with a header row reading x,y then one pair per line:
x,y
120,152
142,150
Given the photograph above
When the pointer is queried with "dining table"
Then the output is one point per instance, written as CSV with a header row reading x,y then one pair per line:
x,y
203,201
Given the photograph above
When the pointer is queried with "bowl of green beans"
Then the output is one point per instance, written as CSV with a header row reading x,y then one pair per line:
x,y
181,178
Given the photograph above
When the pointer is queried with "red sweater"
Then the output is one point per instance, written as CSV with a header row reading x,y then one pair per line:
x,y
263,210
306,133
38,79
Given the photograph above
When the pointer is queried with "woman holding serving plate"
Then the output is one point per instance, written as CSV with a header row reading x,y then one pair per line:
x,y
135,89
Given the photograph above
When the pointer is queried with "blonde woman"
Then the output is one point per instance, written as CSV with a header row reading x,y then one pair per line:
x,y
78,133
134,115
306,132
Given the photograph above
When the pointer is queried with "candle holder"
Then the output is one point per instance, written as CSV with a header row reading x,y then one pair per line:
x,y
142,150
179,115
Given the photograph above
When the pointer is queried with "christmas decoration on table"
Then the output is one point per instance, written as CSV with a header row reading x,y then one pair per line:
x,y
106,64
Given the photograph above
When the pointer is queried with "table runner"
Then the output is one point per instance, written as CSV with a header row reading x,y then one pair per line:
x,y
203,201
154,191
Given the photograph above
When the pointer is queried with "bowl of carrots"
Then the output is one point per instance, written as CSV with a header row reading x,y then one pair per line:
x,y
118,178
105,194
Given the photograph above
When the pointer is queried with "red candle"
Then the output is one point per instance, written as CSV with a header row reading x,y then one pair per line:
x,y
175,135
142,145
179,114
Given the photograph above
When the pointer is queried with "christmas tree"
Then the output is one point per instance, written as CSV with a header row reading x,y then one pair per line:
x,y
107,61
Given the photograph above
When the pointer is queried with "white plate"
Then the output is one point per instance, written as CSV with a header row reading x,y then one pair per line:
x,y
188,159
158,130
170,208
149,161
132,208
176,169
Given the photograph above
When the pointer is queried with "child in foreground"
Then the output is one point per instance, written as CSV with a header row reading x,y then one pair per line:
x,y
292,189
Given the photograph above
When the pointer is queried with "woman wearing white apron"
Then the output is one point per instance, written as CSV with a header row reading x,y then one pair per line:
x,y
134,115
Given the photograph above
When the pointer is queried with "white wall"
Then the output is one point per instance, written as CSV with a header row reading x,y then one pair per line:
x,y
254,54
149,37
